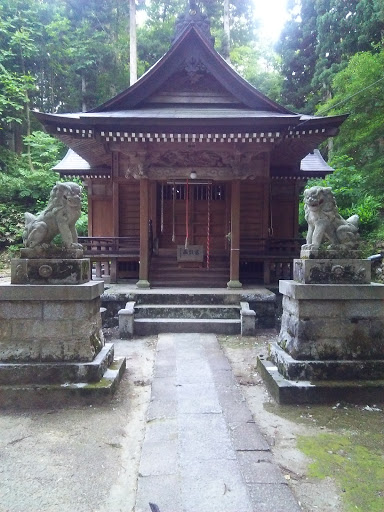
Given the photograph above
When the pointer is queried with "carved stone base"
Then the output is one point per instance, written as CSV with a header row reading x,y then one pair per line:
x,y
332,271
50,271
330,254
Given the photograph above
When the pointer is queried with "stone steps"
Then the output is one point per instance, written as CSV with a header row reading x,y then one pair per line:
x,y
181,316
187,311
154,313
147,326
189,297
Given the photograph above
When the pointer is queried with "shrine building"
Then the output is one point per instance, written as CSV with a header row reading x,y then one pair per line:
x,y
193,175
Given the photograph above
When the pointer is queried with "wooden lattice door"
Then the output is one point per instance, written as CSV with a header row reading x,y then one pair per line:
x,y
196,210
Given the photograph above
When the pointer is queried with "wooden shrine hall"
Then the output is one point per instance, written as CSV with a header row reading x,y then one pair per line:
x,y
193,175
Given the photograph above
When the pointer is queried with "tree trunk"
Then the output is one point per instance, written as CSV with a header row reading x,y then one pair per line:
x,y
227,32
27,115
132,42
83,93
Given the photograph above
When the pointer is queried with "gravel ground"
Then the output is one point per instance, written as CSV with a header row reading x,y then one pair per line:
x,y
81,459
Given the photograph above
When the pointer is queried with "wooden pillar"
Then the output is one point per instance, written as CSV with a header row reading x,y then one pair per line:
x,y
90,207
234,281
144,232
115,212
115,193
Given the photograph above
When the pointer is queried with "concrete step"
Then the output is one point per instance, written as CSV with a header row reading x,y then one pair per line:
x,y
147,326
187,311
184,298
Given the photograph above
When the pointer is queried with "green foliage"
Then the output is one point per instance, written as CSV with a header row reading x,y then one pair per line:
x,y
23,189
319,39
13,90
297,48
359,90
260,66
350,189
23,185
358,151
11,224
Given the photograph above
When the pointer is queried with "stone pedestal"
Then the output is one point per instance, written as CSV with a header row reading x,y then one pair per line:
x,y
331,342
332,271
50,271
52,349
50,323
328,321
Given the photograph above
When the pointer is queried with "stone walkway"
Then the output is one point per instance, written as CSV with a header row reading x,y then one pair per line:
x,y
202,450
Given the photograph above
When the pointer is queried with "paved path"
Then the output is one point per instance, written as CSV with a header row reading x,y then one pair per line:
x,y
202,450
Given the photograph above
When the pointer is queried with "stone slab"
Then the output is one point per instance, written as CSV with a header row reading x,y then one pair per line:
x,y
247,437
234,406
332,271
286,391
315,370
214,486
160,409
198,399
257,468
21,292
48,396
165,429
146,326
161,490
204,437
158,458
57,373
373,291
273,497
50,271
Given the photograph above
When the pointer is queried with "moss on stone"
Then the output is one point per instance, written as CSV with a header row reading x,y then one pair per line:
x,y
102,383
96,342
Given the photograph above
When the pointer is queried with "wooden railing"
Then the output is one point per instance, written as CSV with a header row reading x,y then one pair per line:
x,y
111,246
104,251
275,254
270,247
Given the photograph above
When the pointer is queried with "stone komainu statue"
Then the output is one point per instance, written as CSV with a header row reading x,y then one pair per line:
x,y
59,217
325,222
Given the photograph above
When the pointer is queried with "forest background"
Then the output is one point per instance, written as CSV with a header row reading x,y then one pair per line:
x,y
72,55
